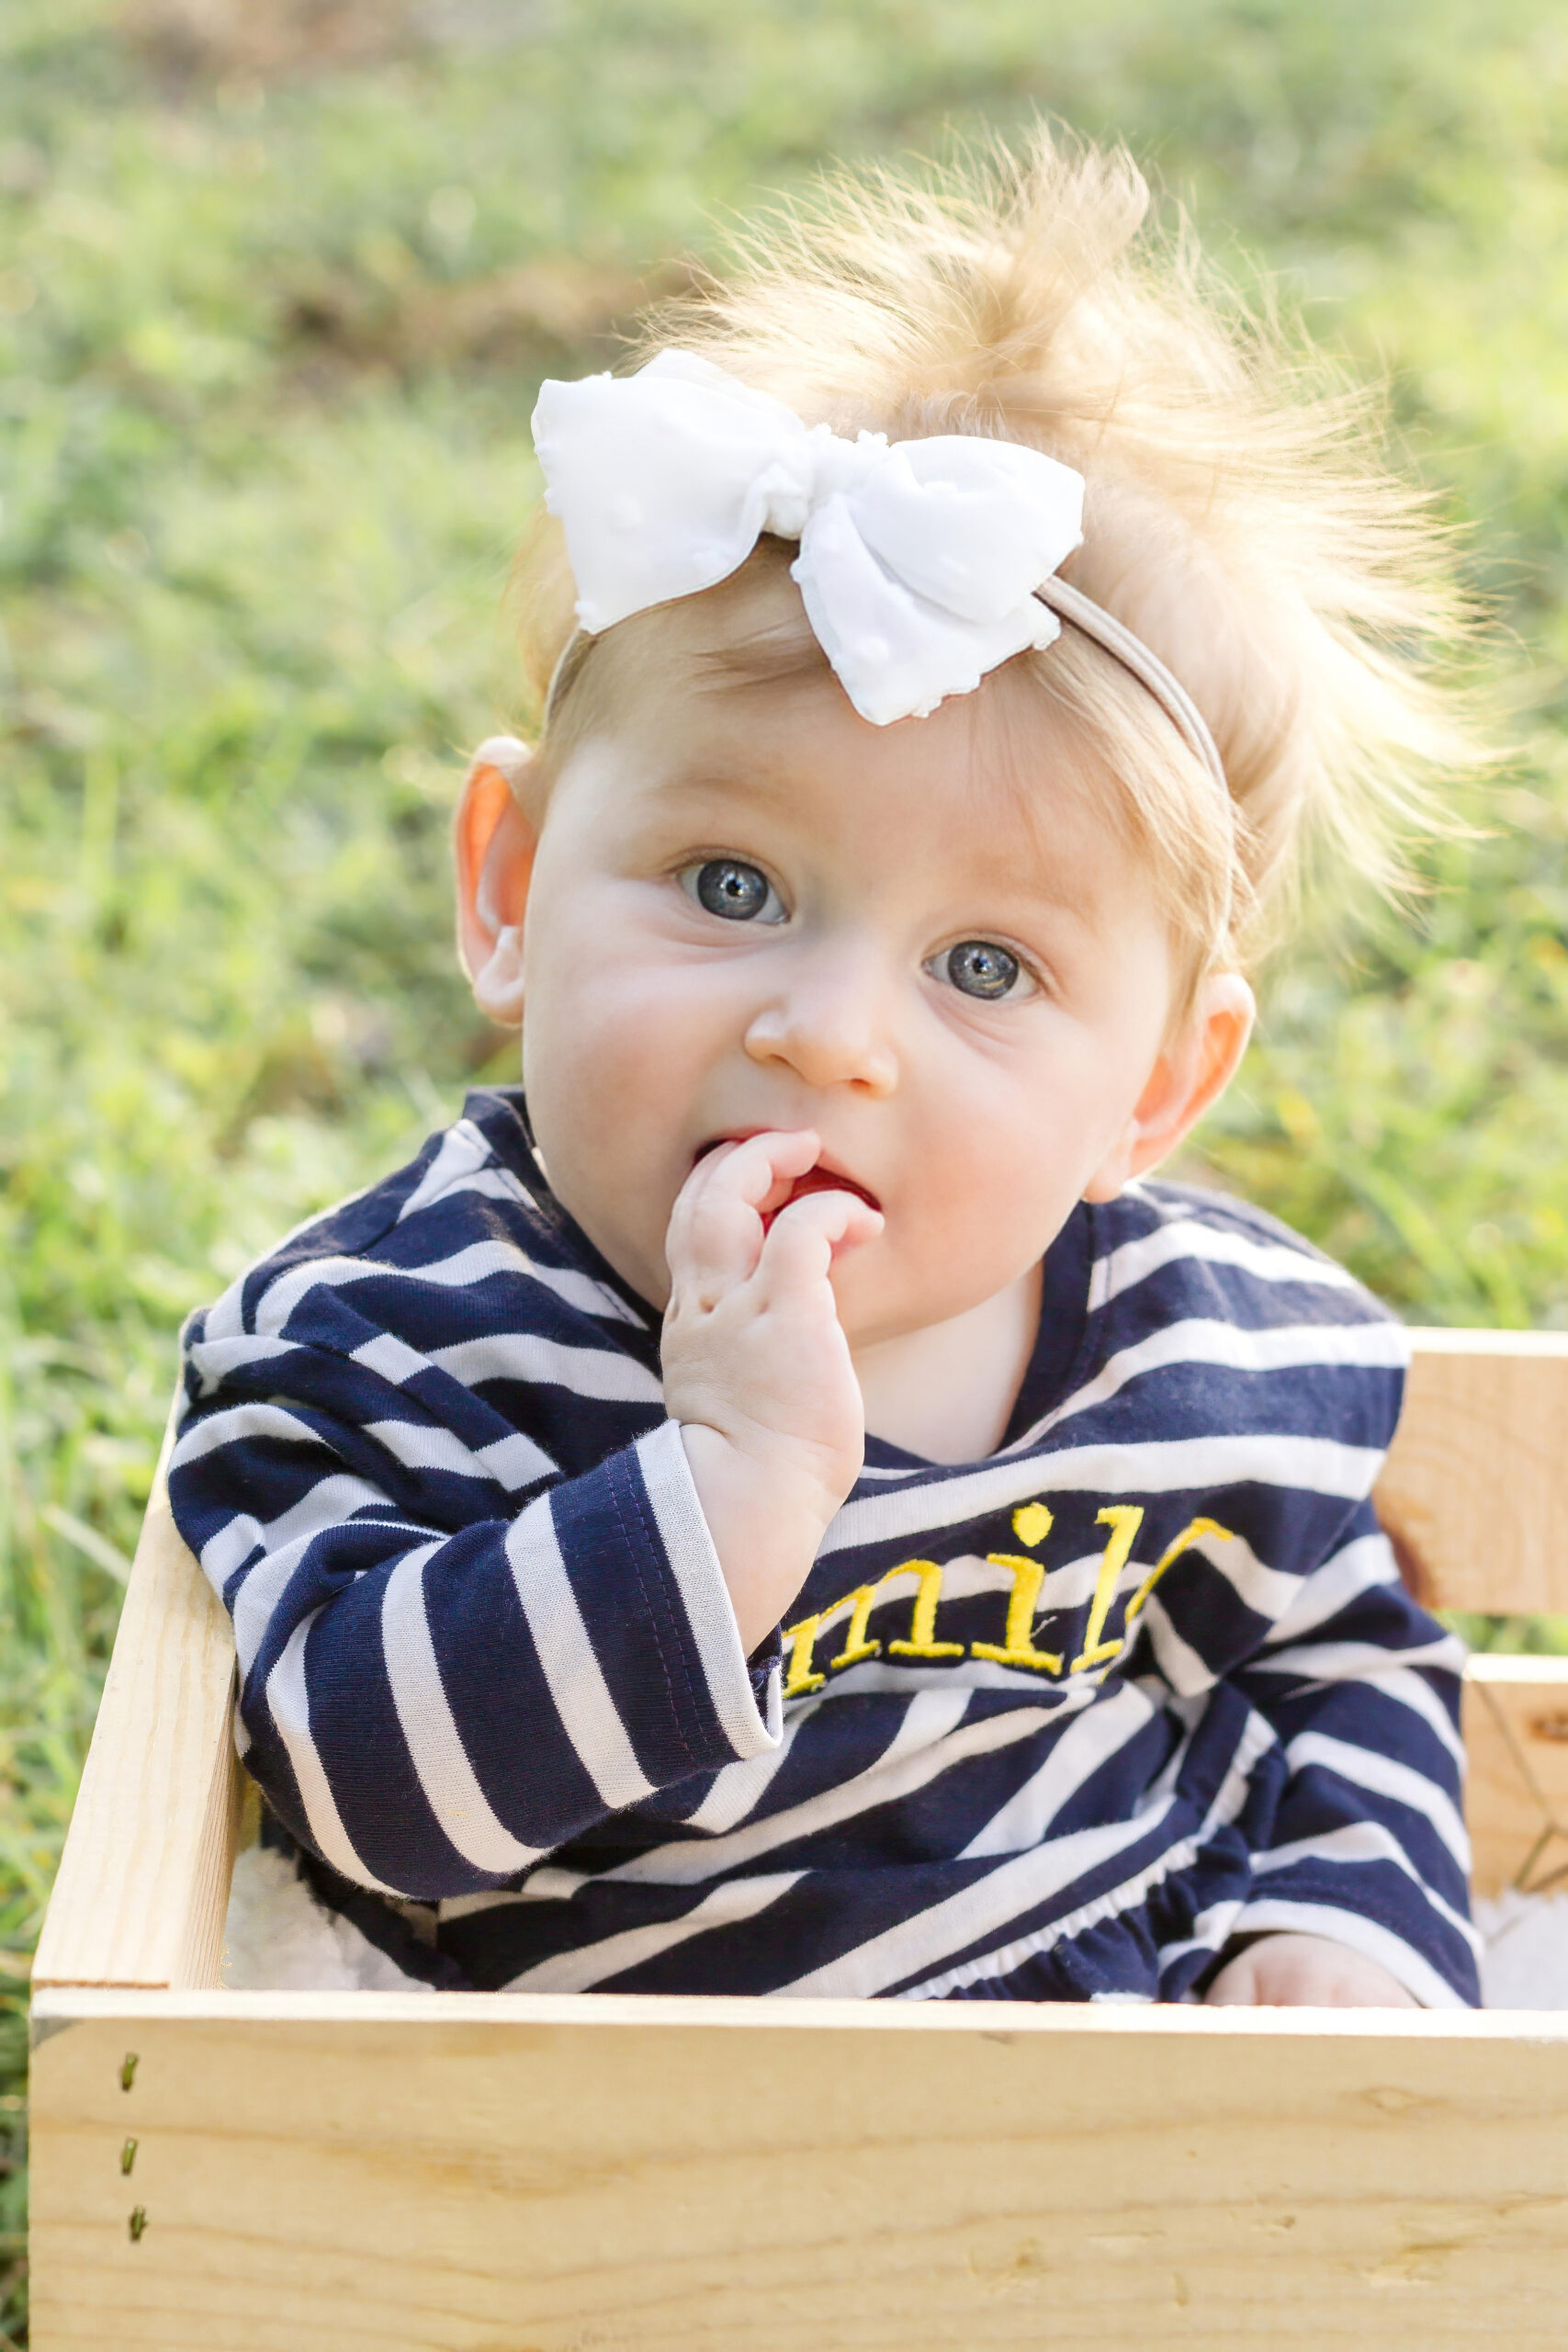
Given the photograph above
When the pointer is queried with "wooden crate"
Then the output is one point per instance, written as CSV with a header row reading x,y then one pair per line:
x,y
236,2172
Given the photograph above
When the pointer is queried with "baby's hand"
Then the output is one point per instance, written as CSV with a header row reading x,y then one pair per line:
x,y
757,1369
1289,1971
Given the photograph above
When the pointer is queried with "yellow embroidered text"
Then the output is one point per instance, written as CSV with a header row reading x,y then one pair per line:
x,y
1123,1520
1188,1536
856,1646
1031,1524
801,1638
922,1622
1016,1649
922,1642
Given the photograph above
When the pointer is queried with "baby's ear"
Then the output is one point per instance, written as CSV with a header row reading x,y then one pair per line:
x,y
494,837
1193,1072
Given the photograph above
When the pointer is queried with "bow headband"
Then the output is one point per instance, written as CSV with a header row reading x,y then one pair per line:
x,y
922,566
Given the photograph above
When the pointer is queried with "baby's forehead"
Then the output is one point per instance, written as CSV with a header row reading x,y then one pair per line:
x,y
977,795
725,700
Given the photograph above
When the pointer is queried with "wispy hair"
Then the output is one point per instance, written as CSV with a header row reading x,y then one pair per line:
x,y
1242,514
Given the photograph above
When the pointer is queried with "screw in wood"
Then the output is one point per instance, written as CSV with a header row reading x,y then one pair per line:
x,y
128,2155
127,2070
138,2223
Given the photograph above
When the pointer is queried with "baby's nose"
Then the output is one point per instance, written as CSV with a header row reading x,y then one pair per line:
x,y
832,1029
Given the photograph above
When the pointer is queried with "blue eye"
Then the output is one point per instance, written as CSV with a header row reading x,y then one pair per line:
x,y
979,967
735,891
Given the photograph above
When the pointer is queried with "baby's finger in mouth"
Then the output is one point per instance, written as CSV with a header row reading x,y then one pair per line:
x,y
822,1180
838,1218
759,1170
714,1235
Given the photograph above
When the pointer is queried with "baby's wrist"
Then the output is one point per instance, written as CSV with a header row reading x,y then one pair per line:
x,y
766,1517
793,1477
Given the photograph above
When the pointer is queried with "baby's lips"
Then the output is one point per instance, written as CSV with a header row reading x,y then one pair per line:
x,y
822,1177
822,1180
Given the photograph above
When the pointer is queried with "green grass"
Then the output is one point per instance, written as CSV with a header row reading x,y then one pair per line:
x,y
277,285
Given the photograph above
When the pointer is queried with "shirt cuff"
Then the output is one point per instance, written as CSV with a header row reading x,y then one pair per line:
x,y
747,1694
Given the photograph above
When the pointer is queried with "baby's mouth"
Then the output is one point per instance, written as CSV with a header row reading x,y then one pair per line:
x,y
823,1178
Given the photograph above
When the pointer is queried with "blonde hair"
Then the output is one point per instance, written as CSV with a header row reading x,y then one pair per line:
x,y
1238,514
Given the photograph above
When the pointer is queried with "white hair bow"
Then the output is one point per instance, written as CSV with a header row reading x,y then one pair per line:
x,y
919,560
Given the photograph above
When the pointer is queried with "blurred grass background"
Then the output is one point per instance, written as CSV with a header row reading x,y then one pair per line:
x,y
278,279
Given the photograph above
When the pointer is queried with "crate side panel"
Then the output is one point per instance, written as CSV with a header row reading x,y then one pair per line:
x,y
144,1882
1516,1739
491,2186
1476,1484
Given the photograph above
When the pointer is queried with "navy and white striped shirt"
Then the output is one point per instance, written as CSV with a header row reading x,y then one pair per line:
x,y
1057,1723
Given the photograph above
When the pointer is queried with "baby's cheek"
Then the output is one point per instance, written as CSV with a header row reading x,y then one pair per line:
x,y
602,1097
996,1190
601,1049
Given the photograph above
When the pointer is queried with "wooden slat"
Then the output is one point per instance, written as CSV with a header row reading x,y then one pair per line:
x,y
503,2175
143,1882
1516,1736
1476,1487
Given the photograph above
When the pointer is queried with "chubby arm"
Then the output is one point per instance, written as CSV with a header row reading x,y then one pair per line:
x,y
1360,1897
437,1687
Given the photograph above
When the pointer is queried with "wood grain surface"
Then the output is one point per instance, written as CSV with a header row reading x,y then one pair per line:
x,y
1475,1490
508,2175
144,1882
1515,1738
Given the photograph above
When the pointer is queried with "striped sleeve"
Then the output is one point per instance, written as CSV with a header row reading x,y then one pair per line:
x,y
437,1689
1367,1845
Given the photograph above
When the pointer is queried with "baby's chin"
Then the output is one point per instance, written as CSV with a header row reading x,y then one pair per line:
x,y
875,1310
878,1307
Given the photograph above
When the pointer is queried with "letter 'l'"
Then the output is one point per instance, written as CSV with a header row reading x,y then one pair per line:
x,y
1123,1520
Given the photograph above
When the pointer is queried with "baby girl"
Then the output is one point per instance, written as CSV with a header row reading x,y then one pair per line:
x,y
784,1501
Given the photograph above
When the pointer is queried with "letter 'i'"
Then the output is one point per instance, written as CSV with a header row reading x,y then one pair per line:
x,y
1032,1523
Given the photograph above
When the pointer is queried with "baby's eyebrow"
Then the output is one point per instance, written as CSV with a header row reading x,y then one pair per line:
x,y
751,781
